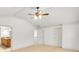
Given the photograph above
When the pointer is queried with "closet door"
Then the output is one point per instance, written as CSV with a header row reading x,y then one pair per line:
x,y
53,36
58,36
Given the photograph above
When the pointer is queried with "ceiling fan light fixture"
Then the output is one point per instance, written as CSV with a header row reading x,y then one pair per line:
x,y
38,14
35,17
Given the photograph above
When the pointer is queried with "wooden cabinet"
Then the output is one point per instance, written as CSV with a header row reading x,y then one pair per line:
x,y
6,42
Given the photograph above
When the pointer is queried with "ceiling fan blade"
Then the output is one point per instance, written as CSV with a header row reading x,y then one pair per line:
x,y
30,14
46,14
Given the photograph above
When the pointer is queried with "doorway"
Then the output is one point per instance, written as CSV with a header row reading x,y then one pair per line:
x,y
5,38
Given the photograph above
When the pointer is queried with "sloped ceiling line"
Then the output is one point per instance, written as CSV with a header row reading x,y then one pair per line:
x,y
23,8
27,21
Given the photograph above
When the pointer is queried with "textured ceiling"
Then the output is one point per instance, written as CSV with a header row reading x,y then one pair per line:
x,y
8,11
57,15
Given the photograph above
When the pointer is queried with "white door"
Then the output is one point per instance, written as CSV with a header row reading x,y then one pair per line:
x,y
40,36
58,34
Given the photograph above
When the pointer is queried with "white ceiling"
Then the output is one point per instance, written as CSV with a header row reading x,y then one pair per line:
x,y
8,11
57,15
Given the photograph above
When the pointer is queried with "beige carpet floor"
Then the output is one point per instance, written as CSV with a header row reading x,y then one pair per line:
x,y
4,49
42,48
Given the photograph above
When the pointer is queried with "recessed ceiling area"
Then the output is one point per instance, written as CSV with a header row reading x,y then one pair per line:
x,y
57,15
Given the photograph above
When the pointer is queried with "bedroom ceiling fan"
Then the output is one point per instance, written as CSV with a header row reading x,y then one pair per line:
x,y
38,14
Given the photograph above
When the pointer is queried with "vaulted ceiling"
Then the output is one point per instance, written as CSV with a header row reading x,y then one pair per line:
x,y
57,15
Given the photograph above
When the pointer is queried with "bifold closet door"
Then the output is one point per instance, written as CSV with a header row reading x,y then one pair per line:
x,y
58,36
53,36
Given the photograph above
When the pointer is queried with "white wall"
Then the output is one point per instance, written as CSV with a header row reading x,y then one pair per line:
x,y
0,37
70,36
53,35
22,31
